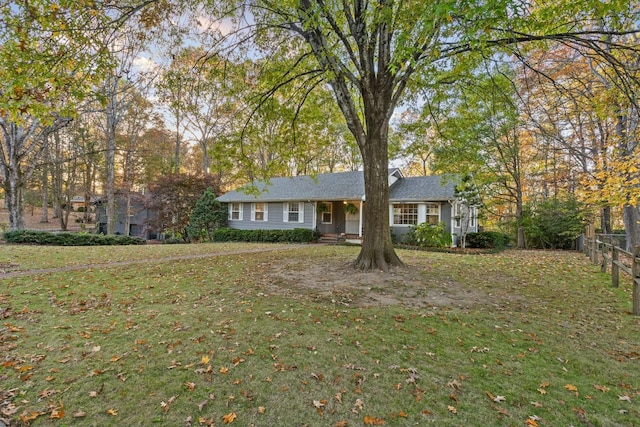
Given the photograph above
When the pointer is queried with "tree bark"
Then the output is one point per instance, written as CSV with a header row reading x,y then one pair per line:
x,y
377,251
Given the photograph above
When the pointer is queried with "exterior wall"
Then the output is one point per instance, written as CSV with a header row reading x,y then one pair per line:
x,y
275,220
444,216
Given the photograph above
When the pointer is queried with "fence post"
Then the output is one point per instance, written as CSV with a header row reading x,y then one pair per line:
x,y
594,251
635,269
605,257
615,270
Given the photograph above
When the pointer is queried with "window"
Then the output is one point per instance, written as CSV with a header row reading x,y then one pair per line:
x,y
259,212
405,214
474,217
327,217
457,216
293,212
433,213
235,211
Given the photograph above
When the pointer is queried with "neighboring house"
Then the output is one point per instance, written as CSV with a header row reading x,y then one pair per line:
x,y
137,212
332,203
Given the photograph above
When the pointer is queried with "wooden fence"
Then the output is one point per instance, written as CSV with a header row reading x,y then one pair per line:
x,y
609,256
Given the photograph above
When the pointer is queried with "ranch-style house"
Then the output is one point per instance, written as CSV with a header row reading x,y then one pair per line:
x,y
332,203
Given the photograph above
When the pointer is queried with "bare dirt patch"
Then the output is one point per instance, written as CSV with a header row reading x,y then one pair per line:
x,y
412,286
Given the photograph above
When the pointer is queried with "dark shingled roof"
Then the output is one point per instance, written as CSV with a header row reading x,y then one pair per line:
x,y
421,188
339,186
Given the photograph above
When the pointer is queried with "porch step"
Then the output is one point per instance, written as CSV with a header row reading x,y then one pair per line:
x,y
329,238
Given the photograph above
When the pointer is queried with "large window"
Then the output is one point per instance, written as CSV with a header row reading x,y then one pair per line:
x,y
433,213
293,212
405,214
259,212
235,211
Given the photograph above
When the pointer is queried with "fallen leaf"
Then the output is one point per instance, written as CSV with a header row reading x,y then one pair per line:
x,y
625,398
79,414
532,423
229,418
261,409
536,404
112,412
58,412
373,421
341,424
204,360
452,409
338,397
190,385
499,399
602,388
224,370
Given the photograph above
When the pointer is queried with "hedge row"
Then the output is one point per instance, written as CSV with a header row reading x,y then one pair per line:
x,y
487,239
69,239
297,235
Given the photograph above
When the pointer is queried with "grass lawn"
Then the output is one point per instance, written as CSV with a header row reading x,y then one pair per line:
x,y
293,337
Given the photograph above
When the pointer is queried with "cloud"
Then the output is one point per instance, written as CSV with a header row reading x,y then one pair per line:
x,y
145,64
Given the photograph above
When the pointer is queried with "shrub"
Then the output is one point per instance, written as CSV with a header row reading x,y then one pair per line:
x,y
487,240
207,216
297,235
69,239
428,235
554,223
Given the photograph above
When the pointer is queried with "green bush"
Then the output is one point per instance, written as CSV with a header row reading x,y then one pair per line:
x,y
554,223
207,216
297,235
429,236
69,239
487,240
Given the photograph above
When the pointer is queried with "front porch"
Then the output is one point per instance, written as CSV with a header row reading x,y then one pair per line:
x,y
339,220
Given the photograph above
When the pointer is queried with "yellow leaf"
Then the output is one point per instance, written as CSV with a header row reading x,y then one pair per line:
x,y
224,370
531,423
204,360
452,409
261,409
571,387
112,412
229,418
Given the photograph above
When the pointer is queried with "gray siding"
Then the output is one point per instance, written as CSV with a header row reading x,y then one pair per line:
x,y
274,218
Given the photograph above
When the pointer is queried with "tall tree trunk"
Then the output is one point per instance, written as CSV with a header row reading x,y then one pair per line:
x,y
13,200
110,154
605,220
44,216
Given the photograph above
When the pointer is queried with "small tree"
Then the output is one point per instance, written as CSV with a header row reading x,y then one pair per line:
x,y
468,199
208,215
173,198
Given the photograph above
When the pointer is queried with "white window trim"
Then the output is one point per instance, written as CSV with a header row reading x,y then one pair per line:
x,y
285,212
392,214
330,212
265,212
240,216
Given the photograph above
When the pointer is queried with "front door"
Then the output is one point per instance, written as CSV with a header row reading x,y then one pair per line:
x,y
352,223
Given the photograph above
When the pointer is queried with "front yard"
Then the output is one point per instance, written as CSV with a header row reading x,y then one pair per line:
x,y
293,337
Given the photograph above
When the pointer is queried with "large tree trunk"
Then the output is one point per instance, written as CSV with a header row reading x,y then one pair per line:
x,y
13,200
377,249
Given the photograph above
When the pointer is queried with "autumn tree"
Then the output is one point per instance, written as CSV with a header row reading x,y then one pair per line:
x,y
50,58
373,54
